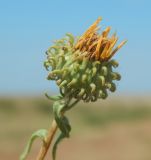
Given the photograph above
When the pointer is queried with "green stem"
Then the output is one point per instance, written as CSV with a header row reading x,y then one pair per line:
x,y
59,107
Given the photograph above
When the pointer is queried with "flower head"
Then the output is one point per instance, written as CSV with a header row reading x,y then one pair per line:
x,y
83,68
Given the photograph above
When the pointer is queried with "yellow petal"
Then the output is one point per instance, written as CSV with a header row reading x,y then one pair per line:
x,y
117,48
103,54
106,32
97,51
113,42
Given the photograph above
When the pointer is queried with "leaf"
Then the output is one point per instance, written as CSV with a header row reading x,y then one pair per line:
x,y
38,134
60,137
62,123
63,134
53,98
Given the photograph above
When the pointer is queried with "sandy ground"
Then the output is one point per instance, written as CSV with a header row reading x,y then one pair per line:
x,y
110,130
119,141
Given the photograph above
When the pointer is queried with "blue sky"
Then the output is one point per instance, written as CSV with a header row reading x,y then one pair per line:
x,y
27,29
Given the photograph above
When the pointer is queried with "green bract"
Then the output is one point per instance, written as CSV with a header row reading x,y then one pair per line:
x,y
77,75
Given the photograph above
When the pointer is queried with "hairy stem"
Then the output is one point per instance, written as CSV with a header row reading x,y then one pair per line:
x,y
44,148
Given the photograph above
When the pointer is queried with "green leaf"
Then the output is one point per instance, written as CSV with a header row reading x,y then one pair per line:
x,y
58,108
38,134
53,98
64,134
60,137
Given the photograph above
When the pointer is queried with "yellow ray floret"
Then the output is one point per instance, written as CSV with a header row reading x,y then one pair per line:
x,y
98,46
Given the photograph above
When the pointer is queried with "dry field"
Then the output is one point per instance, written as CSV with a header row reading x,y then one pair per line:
x,y
115,129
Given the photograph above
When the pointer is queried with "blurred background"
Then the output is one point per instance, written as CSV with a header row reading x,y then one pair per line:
x,y
118,128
